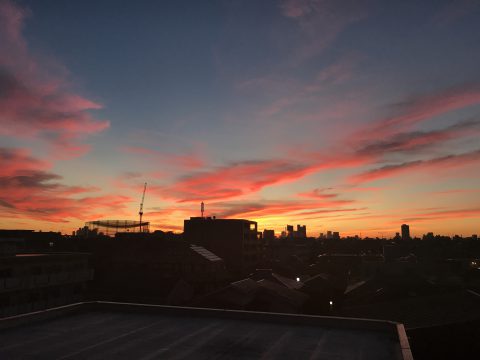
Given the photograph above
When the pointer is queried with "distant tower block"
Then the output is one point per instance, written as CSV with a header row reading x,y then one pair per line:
x,y
405,232
202,208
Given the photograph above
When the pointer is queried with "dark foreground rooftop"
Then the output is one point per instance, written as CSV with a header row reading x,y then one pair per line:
x,y
103,330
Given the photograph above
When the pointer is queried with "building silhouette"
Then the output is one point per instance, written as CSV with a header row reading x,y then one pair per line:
x,y
301,231
236,241
290,231
268,235
405,232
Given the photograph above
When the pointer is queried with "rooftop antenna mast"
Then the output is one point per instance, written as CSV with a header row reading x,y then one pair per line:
x,y
140,212
202,208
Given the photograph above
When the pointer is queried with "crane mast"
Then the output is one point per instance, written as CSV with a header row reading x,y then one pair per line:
x,y
140,213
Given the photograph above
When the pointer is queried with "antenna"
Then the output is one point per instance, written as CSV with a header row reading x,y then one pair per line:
x,y
140,212
202,208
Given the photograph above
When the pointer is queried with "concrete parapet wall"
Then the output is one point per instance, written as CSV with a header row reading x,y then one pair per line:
x,y
395,330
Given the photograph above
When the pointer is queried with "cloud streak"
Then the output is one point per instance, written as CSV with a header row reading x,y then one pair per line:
x,y
30,190
435,163
445,214
422,108
292,208
232,181
417,140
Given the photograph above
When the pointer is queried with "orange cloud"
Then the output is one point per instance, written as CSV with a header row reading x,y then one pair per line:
x,y
274,208
232,181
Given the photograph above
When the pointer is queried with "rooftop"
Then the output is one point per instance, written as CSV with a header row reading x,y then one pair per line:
x,y
205,253
101,330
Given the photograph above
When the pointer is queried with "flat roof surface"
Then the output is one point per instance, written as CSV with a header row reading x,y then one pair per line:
x,y
113,334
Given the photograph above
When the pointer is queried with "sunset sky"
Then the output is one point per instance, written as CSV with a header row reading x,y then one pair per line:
x,y
352,116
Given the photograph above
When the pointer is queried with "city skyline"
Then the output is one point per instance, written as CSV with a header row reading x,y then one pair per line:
x,y
352,116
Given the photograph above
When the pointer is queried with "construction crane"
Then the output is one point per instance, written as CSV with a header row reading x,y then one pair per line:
x,y
141,206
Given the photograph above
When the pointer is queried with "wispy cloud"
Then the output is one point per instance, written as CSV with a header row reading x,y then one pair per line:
x,y
321,22
303,92
36,99
318,194
455,191
417,140
397,169
190,160
421,108
292,208
445,214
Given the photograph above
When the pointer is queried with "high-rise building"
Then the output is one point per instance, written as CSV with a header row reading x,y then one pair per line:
x,y
268,235
301,231
236,241
405,232
289,231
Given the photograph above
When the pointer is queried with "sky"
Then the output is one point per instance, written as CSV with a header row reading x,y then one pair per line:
x,y
352,116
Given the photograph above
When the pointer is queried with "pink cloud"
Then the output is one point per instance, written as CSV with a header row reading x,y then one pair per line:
x,y
292,208
15,160
233,180
240,179
29,190
237,180
445,214
420,109
431,164
35,99
416,140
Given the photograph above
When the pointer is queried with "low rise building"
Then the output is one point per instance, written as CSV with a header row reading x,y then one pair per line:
x,y
30,282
